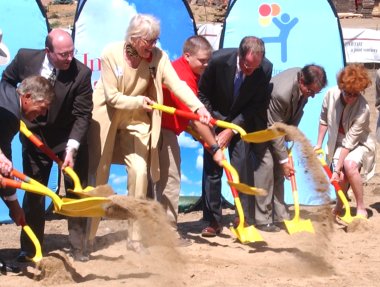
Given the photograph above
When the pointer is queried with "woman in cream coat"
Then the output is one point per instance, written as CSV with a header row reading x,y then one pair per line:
x,y
351,148
125,129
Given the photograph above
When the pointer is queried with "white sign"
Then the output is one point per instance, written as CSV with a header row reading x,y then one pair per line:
x,y
362,45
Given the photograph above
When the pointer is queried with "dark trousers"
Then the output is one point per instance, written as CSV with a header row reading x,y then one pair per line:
x,y
212,174
265,172
37,166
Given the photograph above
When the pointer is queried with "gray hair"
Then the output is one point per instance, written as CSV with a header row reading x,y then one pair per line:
x,y
143,26
251,44
38,87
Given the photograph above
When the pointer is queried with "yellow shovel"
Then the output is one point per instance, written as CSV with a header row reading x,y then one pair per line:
x,y
68,170
347,217
297,224
84,207
38,255
255,137
241,187
245,234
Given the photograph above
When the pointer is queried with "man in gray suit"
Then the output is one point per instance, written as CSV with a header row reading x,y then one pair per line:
x,y
290,91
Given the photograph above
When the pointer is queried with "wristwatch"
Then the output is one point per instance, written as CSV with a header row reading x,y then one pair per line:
x,y
214,148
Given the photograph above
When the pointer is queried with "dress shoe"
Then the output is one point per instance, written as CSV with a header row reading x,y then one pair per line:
x,y
212,230
270,227
183,242
5,268
24,257
79,255
136,246
237,222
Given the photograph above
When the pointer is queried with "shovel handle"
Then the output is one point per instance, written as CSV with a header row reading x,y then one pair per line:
x,y
31,185
294,186
37,245
193,116
321,158
292,176
46,150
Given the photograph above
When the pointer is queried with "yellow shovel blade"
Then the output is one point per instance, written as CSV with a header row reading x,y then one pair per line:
x,y
90,191
84,203
89,212
246,189
38,256
263,136
247,234
299,225
347,217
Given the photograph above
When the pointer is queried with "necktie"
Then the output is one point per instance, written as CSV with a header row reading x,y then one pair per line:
x,y
53,77
237,83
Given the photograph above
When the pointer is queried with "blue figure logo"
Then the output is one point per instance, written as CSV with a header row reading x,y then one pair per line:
x,y
269,13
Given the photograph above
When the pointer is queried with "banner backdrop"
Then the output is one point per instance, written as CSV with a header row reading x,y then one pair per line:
x,y
295,33
24,25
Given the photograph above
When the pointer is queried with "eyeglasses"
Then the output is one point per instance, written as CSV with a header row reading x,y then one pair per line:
x,y
350,95
150,42
65,55
312,90
247,66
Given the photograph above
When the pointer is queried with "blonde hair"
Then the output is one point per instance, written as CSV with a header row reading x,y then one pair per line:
x,y
143,26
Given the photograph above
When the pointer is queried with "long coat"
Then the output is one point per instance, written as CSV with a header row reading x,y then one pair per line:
x,y
118,104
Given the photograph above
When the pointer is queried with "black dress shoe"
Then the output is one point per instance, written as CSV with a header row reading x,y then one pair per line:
x,y
5,268
24,257
270,227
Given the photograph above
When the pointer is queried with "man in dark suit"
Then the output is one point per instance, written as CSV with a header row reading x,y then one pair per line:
x,y
233,88
63,129
290,91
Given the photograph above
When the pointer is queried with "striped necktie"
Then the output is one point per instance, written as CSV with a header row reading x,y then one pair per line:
x,y
53,77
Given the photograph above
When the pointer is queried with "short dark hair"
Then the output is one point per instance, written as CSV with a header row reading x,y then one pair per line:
x,y
313,74
251,44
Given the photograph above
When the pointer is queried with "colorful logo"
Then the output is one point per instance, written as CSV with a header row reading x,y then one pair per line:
x,y
271,13
267,12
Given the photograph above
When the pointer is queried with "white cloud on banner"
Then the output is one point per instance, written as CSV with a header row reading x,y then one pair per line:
x,y
186,180
118,179
187,141
199,162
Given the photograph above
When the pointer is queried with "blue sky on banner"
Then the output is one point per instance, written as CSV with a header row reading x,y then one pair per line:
x,y
295,33
100,22
28,31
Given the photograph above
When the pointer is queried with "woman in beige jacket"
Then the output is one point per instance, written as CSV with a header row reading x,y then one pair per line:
x,y
125,129
350,147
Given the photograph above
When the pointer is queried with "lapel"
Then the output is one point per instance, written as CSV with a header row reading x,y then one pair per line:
x,y
34,67
230,71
